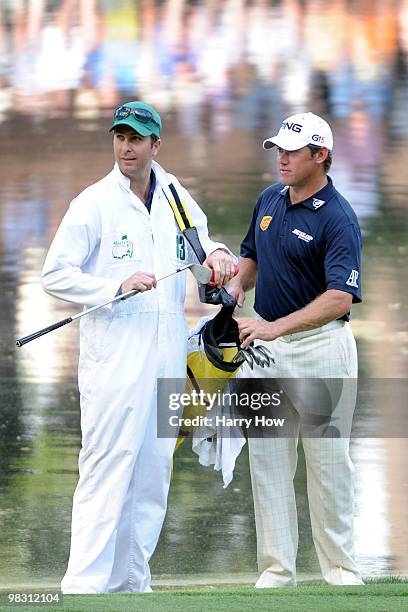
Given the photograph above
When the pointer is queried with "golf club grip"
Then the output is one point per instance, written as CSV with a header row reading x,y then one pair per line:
x,y
42,332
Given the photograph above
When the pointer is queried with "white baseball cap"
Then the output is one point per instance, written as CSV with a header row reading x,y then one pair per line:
x,y
300,130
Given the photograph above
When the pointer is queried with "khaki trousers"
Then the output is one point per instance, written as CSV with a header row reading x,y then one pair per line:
x,y
325,352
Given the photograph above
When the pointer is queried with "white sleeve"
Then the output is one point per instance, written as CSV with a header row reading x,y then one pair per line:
x,y
200,221
75,241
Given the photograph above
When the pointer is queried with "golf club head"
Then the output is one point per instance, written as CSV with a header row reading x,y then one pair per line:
x,y
267,353
242,353
239,357
200,273
248,358
250,351
260,357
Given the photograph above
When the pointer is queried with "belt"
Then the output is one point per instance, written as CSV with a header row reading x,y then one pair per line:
x,y
312,332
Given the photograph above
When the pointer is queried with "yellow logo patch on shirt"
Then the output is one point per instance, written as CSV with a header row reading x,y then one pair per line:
x,y
265,221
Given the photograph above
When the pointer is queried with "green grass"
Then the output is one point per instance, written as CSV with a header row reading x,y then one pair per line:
x,y
388,595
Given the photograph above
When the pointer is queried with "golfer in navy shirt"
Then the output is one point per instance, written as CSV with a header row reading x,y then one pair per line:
x,y
302,254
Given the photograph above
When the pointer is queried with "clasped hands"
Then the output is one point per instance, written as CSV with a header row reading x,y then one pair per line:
x,y
222,262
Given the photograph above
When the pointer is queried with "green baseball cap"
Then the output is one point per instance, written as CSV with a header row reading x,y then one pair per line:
x,y
142,117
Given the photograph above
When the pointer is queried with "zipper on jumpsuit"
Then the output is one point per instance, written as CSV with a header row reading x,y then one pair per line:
x,y
160,357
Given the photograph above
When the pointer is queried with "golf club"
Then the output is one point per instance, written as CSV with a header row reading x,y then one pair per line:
x,y
267,353
259,357
242,353
201,274
258,354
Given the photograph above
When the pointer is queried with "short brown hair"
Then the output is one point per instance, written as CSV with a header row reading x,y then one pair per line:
x,y
329,159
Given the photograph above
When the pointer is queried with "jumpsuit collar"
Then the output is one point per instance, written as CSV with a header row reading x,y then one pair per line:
x,y
124,183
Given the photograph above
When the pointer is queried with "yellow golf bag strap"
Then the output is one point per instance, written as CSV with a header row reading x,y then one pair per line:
x,y
208,295
184,221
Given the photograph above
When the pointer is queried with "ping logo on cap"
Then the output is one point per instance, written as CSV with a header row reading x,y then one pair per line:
x,y
295,127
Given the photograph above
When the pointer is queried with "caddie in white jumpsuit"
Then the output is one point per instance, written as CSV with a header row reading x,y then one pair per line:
x,y
303,251
120,234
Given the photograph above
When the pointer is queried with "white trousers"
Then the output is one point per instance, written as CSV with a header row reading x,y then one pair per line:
x,y
326,352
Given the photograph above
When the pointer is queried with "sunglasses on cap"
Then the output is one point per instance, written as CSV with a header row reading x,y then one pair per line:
x,y
141,114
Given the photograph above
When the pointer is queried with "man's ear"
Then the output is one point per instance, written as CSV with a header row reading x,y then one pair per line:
x,y
321,155
156,147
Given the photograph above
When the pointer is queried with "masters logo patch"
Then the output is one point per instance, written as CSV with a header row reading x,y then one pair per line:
x,y
264,224
122,248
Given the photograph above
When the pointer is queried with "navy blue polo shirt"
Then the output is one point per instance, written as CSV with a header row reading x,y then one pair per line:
x,y
302,249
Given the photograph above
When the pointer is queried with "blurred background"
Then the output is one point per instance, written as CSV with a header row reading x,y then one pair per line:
x,y
223,74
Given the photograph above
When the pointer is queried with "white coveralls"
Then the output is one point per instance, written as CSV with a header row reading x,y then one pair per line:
x,y
124,469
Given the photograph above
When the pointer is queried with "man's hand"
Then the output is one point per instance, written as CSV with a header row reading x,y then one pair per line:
x,y
244,281
254,329
329,306
140,281
223,265
236,289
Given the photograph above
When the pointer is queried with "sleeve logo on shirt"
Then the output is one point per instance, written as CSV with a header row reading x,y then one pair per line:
x,y
122,249
352,279
265,221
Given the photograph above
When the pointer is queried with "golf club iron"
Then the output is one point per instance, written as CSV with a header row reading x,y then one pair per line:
x,y
247,356
258,354
267,354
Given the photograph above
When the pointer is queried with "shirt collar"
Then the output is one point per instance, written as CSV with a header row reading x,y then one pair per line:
x,y
317,200
124,181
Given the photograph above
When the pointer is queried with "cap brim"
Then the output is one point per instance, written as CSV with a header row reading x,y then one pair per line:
x,y
268,144
140,128
282,143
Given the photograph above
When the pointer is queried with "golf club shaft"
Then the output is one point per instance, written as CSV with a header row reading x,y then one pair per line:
x,y
58,324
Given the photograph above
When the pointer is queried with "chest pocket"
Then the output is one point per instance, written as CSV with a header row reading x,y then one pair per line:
x,y
300,244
